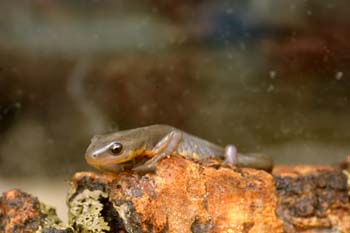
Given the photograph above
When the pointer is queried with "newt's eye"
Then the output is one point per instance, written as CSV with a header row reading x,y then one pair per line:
x,y
116,148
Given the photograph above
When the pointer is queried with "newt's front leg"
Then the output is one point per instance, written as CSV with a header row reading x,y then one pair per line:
x,y
165,147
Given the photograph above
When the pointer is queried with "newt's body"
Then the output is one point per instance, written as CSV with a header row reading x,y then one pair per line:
x,y
141,149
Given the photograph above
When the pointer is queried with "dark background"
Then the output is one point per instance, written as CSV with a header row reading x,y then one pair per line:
x,y
268,76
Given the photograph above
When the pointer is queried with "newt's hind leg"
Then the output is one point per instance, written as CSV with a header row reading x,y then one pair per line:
x,y
257,161
231,155
163,148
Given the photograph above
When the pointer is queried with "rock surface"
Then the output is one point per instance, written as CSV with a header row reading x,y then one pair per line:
x,y
184,196
21,212
313,198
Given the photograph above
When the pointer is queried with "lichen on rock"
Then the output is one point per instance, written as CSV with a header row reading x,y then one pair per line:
x,y
51,222
85,212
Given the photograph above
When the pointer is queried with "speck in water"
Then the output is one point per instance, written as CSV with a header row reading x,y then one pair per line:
x,y
273,74
339,75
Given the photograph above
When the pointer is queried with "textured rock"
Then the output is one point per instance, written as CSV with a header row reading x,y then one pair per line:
x,y
182,196
21,212
313,198
185,196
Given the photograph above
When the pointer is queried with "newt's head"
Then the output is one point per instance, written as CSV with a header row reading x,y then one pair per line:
x,y
115,152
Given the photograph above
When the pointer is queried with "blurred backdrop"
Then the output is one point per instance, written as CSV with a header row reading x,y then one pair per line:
x,y
268,76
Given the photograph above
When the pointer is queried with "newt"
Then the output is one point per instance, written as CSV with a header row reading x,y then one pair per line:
x,y
142,148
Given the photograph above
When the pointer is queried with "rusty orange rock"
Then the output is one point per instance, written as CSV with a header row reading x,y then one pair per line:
x,y
186,196
183,196
22,212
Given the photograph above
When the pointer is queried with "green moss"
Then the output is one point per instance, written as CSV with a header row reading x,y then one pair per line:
x,y
85,212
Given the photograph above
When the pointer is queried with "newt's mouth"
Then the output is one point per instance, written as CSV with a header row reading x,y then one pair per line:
x,y
117,163
119,167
